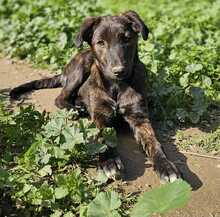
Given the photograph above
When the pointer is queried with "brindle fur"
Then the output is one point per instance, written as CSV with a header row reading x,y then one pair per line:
x,y
109,79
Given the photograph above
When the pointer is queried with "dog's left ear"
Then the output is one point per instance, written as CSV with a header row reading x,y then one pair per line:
x,y
86,31
138,24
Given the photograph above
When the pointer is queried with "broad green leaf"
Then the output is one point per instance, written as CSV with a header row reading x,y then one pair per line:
x,y
61,192
47,192
91,132
194,68
62,40
101,177
69,214
45,158
162,199
54,127
46,170
60,153
95,148
72,135
36,196
57,213
206,81
60,179
4,175
105,204
83,210
110,137
184,79
27,188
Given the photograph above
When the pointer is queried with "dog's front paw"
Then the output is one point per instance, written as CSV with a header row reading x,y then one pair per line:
x,y
166,170
112,168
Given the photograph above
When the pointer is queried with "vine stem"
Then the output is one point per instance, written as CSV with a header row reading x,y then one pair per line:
x,y
200,155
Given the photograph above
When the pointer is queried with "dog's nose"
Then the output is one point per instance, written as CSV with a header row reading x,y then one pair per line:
x,y
117,70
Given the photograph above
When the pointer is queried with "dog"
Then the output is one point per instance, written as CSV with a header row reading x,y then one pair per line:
x,y
108,79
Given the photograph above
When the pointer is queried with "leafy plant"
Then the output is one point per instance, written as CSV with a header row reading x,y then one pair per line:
x,y
48,177
210,142
181,53
42,31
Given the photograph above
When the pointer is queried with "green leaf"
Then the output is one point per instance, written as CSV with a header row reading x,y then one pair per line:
x,y
73,136
60,153
61,192
95,148
4,175
62,40
45,158
194,68
27,188
101,177
105,204
163,199
109,135
57,213
83,211
69,214
46,170
206,81
54,127
184,80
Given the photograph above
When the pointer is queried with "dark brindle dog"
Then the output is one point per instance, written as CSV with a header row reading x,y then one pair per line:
x,y
109,78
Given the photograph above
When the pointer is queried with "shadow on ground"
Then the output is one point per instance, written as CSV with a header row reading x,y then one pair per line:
x,y
136,163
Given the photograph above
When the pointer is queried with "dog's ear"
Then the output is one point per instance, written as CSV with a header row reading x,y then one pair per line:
x,y
86,31
138,24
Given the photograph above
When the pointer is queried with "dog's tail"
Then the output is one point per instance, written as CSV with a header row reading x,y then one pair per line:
x,y
53,82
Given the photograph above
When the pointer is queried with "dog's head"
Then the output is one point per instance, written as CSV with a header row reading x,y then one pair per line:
x,y
113,40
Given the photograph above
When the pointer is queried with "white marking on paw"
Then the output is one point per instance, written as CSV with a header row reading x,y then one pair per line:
x,y
119,163
107,172
164,179
173,177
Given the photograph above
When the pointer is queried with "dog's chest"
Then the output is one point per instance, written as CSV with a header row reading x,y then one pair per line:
x,y
113,92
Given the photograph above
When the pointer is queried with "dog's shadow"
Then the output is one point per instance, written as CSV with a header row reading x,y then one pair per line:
x,y
134,158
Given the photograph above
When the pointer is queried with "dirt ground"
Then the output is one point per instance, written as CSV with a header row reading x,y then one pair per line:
x,y
202,174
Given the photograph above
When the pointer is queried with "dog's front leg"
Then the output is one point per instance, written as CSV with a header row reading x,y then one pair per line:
x,y
144,135
101,110
134,110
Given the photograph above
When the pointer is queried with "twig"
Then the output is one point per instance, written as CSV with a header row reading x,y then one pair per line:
x,y
200,155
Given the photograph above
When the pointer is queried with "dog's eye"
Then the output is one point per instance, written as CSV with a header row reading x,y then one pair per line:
x,y
101,43
126,39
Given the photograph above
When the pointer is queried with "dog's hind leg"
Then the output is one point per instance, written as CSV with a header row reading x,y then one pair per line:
x,y
73,82
76,73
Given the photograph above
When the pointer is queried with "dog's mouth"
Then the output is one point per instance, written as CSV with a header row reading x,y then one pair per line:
x,y
122,76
